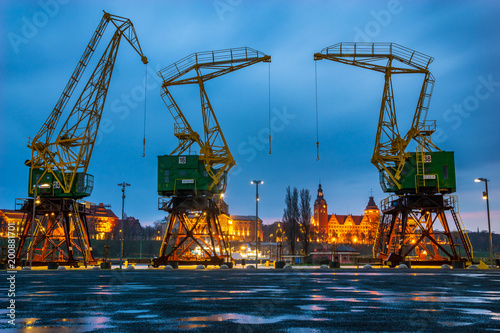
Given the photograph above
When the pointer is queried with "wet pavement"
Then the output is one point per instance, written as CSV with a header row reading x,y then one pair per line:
x,y
242,300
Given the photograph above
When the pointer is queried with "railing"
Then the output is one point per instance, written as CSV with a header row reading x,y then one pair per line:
x,y
452,202
403,54
209,58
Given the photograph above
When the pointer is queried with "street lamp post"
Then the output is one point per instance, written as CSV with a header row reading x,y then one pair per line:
x,y
256,183
36,186
486,196
123,185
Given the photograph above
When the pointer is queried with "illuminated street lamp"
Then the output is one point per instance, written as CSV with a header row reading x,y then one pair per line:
x,y
123,185
485,196
256,183
35,202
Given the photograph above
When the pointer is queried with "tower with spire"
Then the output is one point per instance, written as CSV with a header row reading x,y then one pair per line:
x,y
321,214
346,229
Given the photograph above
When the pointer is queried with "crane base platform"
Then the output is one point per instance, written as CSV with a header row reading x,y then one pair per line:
x,y
408,231
194,233
57,234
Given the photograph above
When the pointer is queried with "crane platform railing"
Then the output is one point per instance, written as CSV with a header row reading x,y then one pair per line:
x,y
210,59
385,50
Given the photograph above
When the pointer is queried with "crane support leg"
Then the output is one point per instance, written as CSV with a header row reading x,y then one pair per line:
x,y
408,232
193,235
59,235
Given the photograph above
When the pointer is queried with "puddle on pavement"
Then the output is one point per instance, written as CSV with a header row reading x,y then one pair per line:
x,y
355,290
331,299
484,312
68,320
436,299
85,324
132,311
453,323
96,320
210,298
248,319
27,321
146,316
104,293
311,307
191,326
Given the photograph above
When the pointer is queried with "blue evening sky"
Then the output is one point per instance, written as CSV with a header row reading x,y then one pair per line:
x,y
43,40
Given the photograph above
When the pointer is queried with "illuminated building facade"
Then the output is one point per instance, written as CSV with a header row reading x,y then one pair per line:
x,y
349,228
7,217
101,222
240,228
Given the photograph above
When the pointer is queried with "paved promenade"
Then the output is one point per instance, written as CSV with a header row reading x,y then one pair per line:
x,y
264,300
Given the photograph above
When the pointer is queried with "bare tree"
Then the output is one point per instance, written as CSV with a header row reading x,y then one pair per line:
x,y
291,216
305,219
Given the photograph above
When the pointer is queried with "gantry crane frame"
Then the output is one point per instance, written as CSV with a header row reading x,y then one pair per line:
x,y
70,152
197,68
408,220
194,215
60,220
389,155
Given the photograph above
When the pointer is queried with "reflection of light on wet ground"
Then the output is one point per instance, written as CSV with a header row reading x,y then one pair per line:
x,y
354,290
95,320
302,330
104,293
210,298
311,307
191,326
68,320
27,321
248,319
449,299
494,315
330,299
132,311
402,297
146,316
453,323
84,324
365,307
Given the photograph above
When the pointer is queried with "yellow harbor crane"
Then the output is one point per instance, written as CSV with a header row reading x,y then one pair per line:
x,y
58,166
191,185
418,179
